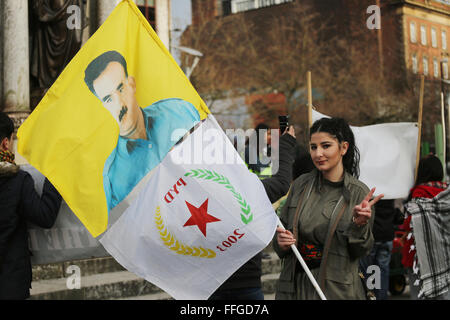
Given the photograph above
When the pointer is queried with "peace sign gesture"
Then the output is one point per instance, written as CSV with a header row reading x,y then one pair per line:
x,y
362,212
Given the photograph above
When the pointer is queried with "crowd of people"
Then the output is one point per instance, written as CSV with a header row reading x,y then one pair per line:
x,y
330,216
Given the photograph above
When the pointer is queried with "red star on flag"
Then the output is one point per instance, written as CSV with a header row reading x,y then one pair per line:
x,y
200,216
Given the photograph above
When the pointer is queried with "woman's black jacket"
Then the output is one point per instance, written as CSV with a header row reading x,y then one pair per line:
x,y
19,204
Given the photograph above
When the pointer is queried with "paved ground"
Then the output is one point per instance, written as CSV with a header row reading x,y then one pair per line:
x,y
403,296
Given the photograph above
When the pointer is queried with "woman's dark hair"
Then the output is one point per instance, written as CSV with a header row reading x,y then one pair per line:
x,y
339,128
252,149
302,162
261,126
256,135
430,169
6,126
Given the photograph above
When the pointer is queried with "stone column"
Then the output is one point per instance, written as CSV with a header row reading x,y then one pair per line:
x,y
16,64
1,56
104,9
163,21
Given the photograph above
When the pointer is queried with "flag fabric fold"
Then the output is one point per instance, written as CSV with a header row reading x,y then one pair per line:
x,y
195,223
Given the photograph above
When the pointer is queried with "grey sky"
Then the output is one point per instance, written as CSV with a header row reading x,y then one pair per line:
x,y
181,13
181,18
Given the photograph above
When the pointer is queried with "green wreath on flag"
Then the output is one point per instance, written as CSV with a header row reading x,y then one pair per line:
x,y
246,213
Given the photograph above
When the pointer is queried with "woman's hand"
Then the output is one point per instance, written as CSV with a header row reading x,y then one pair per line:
x,y
285,238
362,212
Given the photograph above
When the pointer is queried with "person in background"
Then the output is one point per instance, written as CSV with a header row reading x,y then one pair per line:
x,y
302,164
257,154
387,216
428,185
19,204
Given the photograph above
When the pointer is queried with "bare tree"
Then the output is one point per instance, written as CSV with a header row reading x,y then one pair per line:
x,y
270,51
244,54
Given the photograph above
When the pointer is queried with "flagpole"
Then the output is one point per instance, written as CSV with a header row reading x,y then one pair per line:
x,y
310,105
419,124
444,136
305,267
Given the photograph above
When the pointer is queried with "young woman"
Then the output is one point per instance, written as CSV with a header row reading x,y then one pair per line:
x,y
328,216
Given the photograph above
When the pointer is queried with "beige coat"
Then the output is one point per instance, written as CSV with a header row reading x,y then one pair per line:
x,y
339,277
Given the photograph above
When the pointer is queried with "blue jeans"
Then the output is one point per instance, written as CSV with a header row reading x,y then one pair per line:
x,y
380,255
238,294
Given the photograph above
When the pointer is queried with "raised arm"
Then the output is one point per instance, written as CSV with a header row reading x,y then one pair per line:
x,y
40,210
278,185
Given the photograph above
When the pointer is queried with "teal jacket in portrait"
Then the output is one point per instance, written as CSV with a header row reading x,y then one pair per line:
x,y
132,159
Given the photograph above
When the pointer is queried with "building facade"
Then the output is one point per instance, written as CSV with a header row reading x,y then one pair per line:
x,y
413,38
415,43
414,33
420,32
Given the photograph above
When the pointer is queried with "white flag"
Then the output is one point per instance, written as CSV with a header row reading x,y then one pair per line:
x,y
388,156
200,216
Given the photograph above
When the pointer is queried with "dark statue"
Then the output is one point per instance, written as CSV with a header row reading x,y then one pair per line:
x,y
53,42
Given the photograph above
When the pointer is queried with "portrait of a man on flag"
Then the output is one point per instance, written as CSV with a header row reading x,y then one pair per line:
x,y
146,134
111,117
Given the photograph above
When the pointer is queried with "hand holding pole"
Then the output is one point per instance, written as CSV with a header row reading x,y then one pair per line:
x,y
304,266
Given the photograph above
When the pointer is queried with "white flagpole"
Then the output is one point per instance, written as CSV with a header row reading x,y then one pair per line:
x,y
419,125
444,137
305,267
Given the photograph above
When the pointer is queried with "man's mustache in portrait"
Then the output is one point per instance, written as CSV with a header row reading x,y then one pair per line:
x,y
123,111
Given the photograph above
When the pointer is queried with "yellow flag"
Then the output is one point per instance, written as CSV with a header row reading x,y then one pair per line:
x,y
84,133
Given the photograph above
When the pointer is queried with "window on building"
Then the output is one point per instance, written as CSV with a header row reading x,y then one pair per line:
x,y
147,8
433,37
435,67
425,65
445,69
414,63
423,35
412,32
226,7
444,39
246,5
